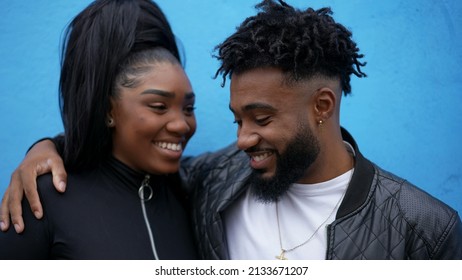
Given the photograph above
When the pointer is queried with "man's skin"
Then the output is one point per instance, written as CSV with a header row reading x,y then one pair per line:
x,y
41,159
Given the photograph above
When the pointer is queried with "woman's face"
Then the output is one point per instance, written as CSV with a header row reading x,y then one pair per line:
x,y
154,120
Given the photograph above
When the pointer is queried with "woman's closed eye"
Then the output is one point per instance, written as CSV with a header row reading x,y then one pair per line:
x,y
189,110
158,107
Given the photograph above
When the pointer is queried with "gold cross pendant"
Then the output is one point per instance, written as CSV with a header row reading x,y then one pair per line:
x,y
281,256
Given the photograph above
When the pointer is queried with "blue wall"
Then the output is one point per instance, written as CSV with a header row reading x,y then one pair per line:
x,y
405,115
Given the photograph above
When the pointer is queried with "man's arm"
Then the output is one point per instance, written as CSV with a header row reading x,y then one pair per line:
x,y
450,246
42,158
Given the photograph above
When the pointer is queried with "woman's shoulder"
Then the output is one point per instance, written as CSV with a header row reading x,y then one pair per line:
x,y
45,183
47,190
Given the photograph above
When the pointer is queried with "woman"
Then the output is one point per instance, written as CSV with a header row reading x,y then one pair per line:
x,y
128,112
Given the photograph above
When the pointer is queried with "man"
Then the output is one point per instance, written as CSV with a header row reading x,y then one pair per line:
x,y
288,69
298,187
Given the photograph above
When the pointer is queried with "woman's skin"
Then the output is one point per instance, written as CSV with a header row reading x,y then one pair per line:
x,y
153,121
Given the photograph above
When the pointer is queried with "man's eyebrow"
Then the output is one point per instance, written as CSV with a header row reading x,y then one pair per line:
x,y
256,105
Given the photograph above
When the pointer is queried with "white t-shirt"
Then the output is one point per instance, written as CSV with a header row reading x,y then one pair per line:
x,y
252,227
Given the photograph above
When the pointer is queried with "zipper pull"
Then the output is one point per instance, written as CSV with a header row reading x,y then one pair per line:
x,y
145,188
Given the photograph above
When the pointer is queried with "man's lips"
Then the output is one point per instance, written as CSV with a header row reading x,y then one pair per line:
x,y
260,159
261,156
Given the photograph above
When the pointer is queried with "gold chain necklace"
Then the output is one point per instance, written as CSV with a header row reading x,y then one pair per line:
x,y
284,251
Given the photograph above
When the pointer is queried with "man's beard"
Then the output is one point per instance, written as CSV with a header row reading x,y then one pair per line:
x,y
291,165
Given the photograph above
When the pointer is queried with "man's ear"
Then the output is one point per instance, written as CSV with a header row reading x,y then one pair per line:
x,y
325,102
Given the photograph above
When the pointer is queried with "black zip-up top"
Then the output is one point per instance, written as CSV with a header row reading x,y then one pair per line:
x,y
111,212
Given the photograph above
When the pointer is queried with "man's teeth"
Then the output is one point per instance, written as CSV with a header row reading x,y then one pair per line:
x,y
170,146
261,157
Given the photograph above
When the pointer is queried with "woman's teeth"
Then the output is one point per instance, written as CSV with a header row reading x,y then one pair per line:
x,y
169,146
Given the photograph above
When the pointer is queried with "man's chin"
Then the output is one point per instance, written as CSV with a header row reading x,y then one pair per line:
x,y
263,175
266,188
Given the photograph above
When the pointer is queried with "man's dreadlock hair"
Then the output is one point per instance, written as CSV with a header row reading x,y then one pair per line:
x,y
302,44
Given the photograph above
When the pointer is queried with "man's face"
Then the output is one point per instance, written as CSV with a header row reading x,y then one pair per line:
x,y
273,129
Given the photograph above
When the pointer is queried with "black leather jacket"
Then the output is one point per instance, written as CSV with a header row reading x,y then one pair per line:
x,y
381,217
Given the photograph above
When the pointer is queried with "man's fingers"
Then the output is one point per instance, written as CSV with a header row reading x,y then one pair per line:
x,y
59,173
42,168
29,184
15,208
4,213
41,158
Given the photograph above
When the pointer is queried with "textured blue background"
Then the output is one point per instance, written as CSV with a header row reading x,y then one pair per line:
x,y
405,115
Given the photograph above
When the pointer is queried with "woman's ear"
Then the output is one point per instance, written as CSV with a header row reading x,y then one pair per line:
x,y
110,122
